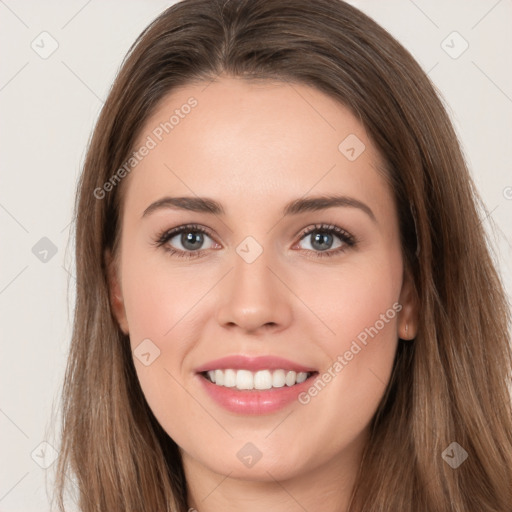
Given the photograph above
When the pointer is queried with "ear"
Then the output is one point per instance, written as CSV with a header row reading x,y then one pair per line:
x,y
115,292
408,318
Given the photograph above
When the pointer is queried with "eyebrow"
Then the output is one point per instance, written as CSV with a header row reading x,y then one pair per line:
x,y
296,207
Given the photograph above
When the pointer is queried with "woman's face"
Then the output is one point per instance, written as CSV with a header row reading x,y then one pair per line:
x,y
298,274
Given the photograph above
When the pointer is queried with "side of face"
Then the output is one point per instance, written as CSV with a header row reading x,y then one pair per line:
x,y
259,287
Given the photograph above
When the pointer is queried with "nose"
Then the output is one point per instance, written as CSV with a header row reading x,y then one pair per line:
x,y
254,297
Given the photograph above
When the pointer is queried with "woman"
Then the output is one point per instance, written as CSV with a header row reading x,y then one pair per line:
x,y
285,300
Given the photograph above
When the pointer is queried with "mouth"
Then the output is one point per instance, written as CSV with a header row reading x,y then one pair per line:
x,y
254,385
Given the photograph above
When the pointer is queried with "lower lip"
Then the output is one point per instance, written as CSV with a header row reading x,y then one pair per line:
x,y
254,401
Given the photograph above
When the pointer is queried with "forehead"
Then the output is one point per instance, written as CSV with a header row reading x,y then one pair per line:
x,y
253,140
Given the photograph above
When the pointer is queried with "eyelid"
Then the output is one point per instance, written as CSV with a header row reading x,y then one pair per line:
x,y
170,233
340,232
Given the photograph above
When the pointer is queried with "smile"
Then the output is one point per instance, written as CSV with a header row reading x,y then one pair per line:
x,y
254,385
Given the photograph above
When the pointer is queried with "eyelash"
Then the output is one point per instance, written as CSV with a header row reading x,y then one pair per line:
x,y
162,239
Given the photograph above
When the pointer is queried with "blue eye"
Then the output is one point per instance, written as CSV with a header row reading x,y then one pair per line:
x,y
191,238
323,237
188,241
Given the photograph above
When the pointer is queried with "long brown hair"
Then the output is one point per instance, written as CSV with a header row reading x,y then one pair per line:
x,y
450,384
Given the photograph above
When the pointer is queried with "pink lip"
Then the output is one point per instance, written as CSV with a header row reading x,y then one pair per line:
x,y
238,362
253,401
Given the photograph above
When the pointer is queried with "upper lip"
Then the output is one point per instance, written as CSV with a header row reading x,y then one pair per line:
x,y
241,362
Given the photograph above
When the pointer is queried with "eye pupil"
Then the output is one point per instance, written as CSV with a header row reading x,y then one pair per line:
x,y
324,240
192,240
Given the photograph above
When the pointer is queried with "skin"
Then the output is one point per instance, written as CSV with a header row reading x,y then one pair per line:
x,y
255,146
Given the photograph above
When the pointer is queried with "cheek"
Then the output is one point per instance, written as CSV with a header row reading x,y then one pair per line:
x,y
360,307
158,298
160,311
356,302
165,312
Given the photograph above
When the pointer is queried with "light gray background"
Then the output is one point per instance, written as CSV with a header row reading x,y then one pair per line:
x,y
48,108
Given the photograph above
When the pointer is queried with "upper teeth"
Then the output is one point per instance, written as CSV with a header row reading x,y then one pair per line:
x,y
262,379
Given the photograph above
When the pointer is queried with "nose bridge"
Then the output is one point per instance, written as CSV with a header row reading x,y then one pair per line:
x,y
254,297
